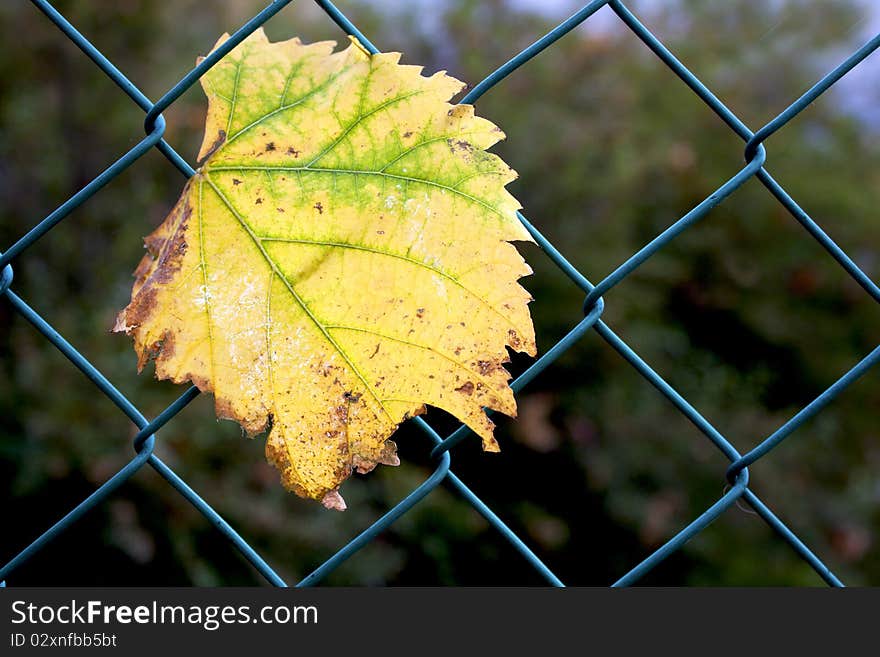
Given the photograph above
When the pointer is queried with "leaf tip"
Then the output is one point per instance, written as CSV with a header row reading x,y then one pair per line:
x,y
121,325
333,500
491,445
389,454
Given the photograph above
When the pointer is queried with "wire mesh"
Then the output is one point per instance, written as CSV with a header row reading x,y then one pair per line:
x,y
737,474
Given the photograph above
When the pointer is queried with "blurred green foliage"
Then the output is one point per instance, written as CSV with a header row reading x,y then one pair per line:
x,y
744,313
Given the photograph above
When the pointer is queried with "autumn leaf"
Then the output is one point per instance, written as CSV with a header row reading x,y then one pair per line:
x,y
341,258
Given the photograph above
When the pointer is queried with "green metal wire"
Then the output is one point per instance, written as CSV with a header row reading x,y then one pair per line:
x,y
593,307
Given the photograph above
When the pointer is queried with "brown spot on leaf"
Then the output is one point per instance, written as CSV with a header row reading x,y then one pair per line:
x,y
270,146
353,397
171,258
513,339
319,207
484,367
218,142
460,145
362,465
292,151
136,313
153,244
407,134
236,181
420,312
163,348
202,383
223,408
466,389
143,269
259,201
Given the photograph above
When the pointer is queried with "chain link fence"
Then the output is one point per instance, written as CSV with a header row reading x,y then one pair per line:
x,y
737,475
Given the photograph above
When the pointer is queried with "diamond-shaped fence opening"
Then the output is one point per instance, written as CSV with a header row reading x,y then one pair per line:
x,y
737,492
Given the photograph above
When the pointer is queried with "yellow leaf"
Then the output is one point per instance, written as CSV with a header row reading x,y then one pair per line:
x,y
340,259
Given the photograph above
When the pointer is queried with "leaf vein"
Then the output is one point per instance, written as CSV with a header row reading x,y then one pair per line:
x,y
290,105
238,66
360,119
383,174
385,336
295,295
390,254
